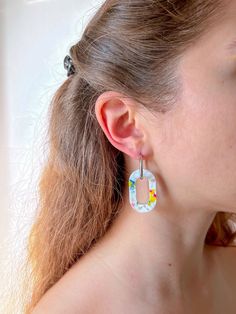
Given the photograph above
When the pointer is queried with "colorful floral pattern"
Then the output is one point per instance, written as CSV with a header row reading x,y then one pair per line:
x,y
142,207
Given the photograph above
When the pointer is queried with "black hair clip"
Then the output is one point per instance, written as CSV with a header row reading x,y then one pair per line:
x,y
68,65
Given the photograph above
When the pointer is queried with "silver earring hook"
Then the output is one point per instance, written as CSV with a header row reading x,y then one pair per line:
x,y
141,166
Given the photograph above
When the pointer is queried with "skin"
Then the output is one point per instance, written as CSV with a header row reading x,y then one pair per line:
x,y
192,153
158,260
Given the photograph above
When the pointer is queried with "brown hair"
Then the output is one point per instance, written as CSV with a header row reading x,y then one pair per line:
x,y
131,47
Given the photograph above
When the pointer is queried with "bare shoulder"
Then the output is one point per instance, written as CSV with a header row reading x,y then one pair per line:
x,y
89,287
78,291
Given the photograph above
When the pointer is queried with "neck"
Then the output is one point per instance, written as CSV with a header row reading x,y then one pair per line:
x,y
165,246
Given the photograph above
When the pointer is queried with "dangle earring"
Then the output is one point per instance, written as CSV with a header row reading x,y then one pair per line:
x,y
140,173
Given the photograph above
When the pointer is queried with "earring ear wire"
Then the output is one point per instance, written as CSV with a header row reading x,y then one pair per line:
x,y
141,166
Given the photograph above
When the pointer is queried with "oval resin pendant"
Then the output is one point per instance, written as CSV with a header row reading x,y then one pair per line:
x,y
142,207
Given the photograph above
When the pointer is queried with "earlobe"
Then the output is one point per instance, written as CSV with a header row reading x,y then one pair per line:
x,y
117,118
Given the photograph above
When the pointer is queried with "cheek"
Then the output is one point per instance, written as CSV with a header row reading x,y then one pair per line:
x,y
208,141
200,150
209,129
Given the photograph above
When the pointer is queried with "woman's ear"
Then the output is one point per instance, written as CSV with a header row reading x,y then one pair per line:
x,y
118,118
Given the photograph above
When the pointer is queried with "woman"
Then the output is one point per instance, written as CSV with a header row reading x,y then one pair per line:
x,y
152,82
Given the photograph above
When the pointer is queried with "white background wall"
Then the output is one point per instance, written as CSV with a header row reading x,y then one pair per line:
x,y
35,35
